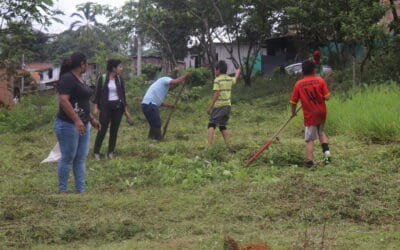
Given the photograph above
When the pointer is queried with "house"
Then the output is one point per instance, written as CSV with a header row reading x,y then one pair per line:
x,y
263,64
163,63
91,74
34,76
280,52
10,80
196,59
44,75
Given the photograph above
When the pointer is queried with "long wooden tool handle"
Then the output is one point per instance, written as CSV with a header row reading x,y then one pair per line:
x,y
172,111
269,141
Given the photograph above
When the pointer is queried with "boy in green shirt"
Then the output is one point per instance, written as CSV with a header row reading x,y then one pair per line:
x,y
220,106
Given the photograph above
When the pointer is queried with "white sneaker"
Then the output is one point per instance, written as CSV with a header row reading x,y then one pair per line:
x,y
97,157
110,155
327,157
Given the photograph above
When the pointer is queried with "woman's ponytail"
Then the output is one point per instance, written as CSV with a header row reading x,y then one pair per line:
x,y
66,66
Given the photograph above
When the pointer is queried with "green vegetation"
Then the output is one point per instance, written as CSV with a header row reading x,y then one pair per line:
x,y
178,194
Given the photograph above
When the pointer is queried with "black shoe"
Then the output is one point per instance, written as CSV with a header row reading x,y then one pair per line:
x,y
309,164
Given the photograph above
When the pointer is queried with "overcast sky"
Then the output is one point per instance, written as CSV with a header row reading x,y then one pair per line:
x,y
68,7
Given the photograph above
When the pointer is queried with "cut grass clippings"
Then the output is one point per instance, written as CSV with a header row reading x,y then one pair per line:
x,y
179,194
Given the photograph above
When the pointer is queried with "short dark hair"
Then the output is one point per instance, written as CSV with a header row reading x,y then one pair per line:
x,y
222,67
113,63
308,67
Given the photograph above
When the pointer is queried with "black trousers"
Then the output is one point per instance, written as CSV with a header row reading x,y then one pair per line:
x,y
108,116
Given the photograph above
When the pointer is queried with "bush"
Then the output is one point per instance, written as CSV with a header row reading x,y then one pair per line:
x,y
199,76
136,86
383,65
31,113
150,70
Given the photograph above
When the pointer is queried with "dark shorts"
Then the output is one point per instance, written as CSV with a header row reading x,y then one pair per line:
x,y
220,116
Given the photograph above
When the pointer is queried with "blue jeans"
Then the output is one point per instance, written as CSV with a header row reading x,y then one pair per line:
x,y
74,150
152,114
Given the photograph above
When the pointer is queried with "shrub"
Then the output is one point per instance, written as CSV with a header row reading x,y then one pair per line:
x,y
31,113
136,86
150,70
200,76
383,65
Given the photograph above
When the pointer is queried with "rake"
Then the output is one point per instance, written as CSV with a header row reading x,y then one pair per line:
x,y
269,141
172,110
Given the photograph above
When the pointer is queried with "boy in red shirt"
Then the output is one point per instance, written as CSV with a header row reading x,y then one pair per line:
x,y
312,91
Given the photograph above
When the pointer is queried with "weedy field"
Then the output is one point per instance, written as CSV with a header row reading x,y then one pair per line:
x,y
179,194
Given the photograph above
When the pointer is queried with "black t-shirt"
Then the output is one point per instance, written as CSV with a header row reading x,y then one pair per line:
x,y
79,97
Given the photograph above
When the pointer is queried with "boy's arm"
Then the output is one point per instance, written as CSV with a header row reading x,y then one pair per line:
x,y
213,100
237,73
293,106
294,98
325,90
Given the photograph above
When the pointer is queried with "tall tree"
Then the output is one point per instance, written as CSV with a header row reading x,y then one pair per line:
x,y
27,11
247,23
395,24
87,28
16,33
360,26
348,23
87,14
168,27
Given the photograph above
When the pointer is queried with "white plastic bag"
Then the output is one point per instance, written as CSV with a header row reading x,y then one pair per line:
x,y
54,156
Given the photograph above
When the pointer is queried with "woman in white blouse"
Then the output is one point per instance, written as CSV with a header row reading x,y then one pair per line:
x,y
110,100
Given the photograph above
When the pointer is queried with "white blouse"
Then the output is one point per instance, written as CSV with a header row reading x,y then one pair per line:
x,y
112,91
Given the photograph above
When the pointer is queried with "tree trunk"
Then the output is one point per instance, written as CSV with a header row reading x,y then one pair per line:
x,y
139,56
354,71
249,66
395,25
247,80
364,61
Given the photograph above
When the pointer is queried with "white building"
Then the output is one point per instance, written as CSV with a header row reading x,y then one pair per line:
x,y
196,60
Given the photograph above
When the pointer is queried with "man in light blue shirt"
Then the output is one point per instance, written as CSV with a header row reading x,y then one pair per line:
x,y
154,98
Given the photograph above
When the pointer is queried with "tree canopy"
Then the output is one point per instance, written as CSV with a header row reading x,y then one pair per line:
x,y
172,27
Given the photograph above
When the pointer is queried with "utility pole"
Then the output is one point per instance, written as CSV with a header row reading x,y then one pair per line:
x,y
139,56
22,78
139,44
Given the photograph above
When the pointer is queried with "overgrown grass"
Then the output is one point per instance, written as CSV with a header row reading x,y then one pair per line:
x,y
33,112
178,194
371,114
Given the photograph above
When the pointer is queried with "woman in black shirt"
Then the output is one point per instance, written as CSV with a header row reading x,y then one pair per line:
x,y
72,122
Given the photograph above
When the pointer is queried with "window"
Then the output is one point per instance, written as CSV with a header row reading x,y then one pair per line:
x,y
50,73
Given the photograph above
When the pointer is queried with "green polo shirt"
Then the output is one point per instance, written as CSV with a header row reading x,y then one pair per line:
x,y
223,84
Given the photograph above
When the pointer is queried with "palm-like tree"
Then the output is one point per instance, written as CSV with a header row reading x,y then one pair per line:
x,y
86,27
87,13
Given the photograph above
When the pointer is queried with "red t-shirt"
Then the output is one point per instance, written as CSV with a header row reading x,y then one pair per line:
x,y
311,90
